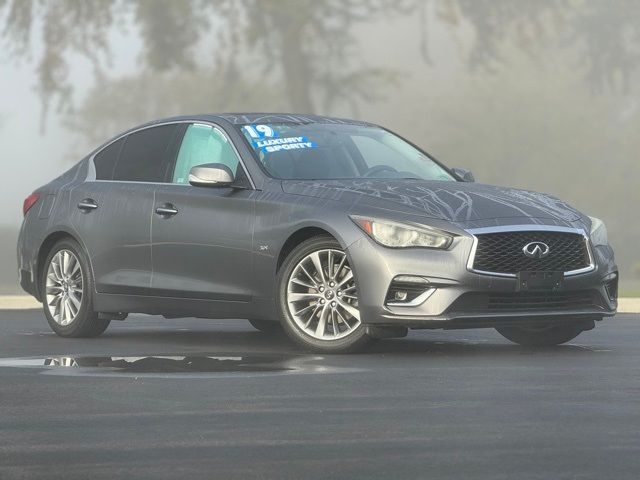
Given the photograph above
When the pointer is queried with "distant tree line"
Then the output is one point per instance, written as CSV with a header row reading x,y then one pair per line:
x,y
307,46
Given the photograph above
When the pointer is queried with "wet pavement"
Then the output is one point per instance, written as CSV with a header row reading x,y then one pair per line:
x,y
155,398
172,366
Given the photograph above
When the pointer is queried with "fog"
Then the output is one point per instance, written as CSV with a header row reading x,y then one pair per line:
x,y
535,94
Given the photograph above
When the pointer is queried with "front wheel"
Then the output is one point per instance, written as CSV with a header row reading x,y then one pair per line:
x,y
541,337
67,286
318,298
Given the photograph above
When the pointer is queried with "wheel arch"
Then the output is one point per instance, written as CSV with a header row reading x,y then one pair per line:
x,y
45,248
299,236
296,238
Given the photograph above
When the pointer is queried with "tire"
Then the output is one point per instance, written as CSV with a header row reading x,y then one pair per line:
x,y
77,318
320,314
267,326
541,337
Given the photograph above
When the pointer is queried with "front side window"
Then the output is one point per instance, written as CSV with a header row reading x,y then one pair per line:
x,y
146,154
203,144
329,151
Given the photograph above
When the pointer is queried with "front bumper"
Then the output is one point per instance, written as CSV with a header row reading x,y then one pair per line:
x,y
457,301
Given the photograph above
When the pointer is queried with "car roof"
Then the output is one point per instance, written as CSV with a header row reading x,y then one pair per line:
x,y
259,117
239,119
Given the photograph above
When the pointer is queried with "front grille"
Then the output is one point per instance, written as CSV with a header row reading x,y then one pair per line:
x,y
527,301
502,252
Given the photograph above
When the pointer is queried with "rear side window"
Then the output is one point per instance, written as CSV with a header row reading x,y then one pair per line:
x,y
106,160
147,154
203,144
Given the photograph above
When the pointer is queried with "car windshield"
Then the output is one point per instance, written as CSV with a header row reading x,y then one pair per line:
x,y
329,151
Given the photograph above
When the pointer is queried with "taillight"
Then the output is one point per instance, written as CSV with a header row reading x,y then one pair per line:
x,y
29,202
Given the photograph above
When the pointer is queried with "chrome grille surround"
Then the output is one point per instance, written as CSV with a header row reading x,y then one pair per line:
x,y
528,228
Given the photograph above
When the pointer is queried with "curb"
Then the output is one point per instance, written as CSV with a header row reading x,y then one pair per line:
x,y
18,302
25,302
629,305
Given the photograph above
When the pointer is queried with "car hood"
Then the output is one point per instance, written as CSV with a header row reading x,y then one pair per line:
x,y
457,202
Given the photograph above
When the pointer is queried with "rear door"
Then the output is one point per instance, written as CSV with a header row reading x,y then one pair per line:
x,y
112,212
202,236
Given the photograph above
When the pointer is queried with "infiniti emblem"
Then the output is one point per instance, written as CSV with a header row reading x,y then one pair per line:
x,y
536,250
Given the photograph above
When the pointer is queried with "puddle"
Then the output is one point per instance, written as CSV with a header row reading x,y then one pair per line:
x,y
181,365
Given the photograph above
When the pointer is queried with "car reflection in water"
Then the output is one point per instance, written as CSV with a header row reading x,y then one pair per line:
x,y
177,364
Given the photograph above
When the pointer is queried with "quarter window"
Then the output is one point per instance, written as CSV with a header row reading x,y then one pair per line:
x,y
147,154
203,144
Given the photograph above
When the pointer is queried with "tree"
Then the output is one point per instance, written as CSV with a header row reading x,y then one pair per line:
x,y
113,103
298,42
605,32
307,46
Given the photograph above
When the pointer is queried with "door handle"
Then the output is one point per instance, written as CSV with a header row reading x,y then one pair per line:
x,y
167,211
87,205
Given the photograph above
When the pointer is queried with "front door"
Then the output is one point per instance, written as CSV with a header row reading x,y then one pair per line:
x,y
202,236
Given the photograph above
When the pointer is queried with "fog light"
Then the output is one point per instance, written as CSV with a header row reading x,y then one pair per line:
x,y
408,291
611,286
400,295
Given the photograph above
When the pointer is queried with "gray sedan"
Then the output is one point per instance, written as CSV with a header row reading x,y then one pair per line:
x,y
334,231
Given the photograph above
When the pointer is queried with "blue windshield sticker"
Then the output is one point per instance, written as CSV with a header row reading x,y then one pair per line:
x,y
278,144
260,131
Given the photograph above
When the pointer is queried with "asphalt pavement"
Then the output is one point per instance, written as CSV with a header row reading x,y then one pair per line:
x,y
155,398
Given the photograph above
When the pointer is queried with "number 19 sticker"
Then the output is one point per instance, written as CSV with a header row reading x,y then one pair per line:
x,y
260,131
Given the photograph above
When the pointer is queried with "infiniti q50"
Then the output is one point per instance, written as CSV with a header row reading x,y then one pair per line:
x,y
334,231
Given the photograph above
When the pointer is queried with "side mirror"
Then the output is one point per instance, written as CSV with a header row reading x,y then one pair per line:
x,y
211,175
463,174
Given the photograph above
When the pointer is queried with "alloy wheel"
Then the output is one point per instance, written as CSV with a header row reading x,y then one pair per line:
x,y
64,287
322,295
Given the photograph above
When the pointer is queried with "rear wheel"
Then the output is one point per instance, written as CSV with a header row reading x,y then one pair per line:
x,y
318,298
541,337
67,286
267,326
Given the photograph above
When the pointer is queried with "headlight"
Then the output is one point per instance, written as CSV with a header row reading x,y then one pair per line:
x,y
400,235
598,232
